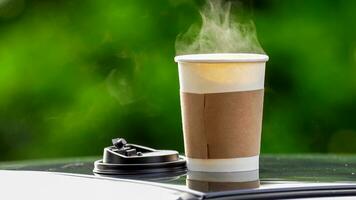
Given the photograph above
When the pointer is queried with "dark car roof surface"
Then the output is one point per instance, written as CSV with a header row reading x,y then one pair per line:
x,y
281,176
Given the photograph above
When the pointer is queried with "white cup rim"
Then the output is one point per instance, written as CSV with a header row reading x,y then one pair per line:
x,y
222,57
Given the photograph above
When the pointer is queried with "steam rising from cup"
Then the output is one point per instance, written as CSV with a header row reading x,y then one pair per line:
x,y
221,31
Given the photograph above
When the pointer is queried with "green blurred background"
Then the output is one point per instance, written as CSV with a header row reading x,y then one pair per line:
x,y
74,74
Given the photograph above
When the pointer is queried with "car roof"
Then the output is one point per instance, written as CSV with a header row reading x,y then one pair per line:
x,y
278,175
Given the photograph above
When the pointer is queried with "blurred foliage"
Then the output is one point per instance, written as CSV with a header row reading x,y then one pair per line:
x,y
74,74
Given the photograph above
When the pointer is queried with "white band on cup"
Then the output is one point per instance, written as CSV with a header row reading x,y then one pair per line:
x,y
245,176
221,72
223,165
204,78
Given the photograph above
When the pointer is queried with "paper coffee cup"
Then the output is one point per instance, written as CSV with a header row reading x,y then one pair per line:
x,y
222,104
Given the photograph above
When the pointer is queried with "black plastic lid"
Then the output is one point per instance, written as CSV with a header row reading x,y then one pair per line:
x,y
132,159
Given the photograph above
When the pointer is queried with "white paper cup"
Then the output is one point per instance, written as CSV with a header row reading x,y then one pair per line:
x,y
222,102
